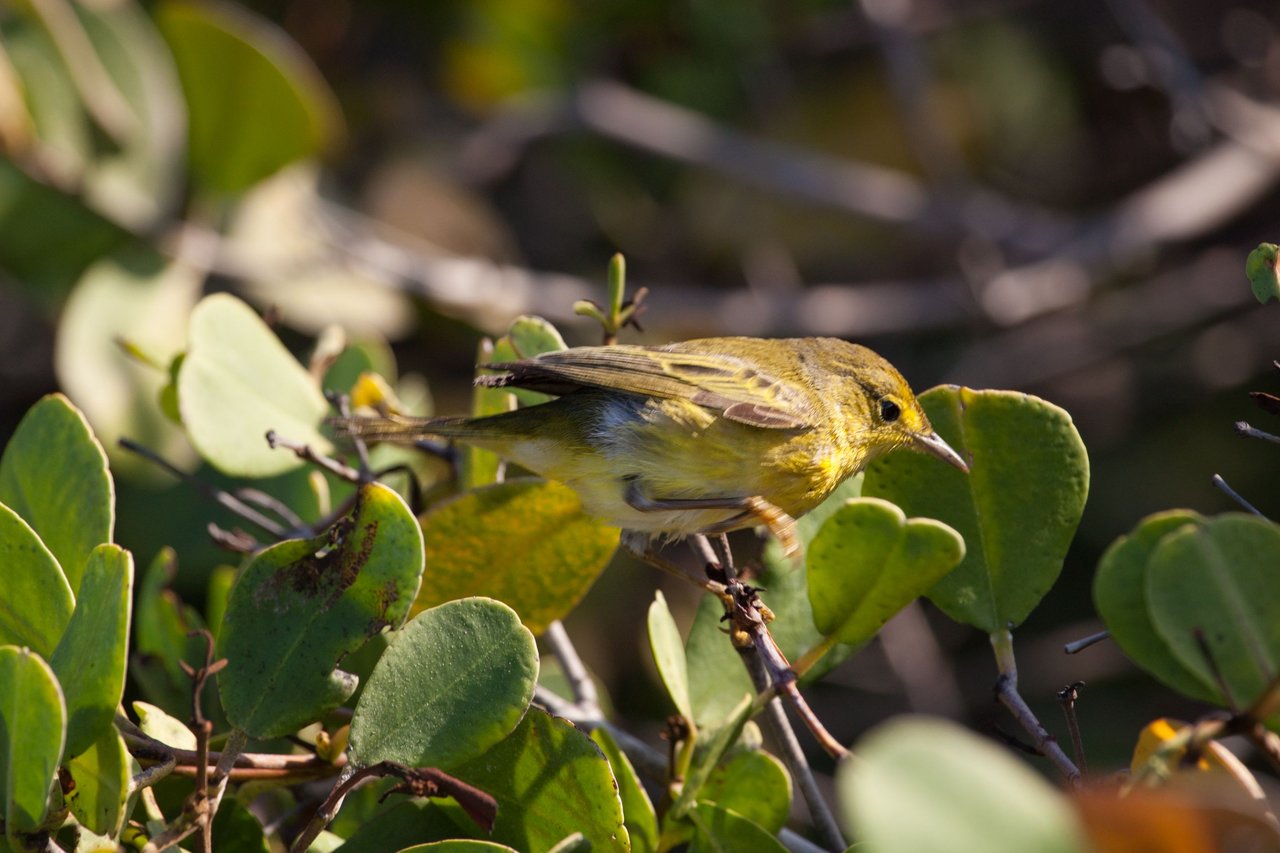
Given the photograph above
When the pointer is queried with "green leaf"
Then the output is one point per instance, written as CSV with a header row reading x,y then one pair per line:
x,y
1017,509
527,337
155,723
302,605
524,542
101,775
637,809
754,785
925,785
138,297
30,574
236,828
1217,579
668,654
717,678
458,845
1263,270
399,827
90,659
454,681
161,634
1120,594
707,757
869,561
550,781
32,728
721,830
54,474
238,382
223,52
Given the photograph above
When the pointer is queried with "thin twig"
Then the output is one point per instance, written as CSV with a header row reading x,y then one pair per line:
x,y
1077,646
306,453
584,689
1235,496
1068,696
218,496
1245,430
775,717
272,503
1007,693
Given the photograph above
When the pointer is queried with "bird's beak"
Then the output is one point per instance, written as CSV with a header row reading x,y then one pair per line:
x,y
932,443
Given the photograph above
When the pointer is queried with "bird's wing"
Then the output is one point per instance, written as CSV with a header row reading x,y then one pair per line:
x,y
722,383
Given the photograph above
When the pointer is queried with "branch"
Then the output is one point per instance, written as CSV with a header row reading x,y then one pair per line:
x,y
1007,693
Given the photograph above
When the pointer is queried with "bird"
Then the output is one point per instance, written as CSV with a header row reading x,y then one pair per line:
x,y
700,437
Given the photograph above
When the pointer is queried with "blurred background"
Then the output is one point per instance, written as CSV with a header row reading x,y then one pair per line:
x,y
1055,198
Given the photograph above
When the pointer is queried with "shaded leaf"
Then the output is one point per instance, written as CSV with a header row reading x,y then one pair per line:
x,y
238,382
706,757
1017,509
722,830
454,681
975,795
54,474
138,297
524,542
302,605
162,625
754,785
1217,580
30,574
91,658
550,781
457,845
222,52
1262,268
32,727
1120,594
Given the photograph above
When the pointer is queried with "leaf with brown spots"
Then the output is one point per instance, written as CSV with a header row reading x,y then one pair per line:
x,y
303,605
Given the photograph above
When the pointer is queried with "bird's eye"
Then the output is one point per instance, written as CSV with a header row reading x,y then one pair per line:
x,y
889,410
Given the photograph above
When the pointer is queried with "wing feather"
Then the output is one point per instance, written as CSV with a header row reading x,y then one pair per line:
x,y
720,382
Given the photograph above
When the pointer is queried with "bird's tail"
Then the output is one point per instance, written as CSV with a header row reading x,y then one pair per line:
x,y
405,430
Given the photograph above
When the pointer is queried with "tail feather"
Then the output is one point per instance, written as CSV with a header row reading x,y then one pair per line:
x,y
401,429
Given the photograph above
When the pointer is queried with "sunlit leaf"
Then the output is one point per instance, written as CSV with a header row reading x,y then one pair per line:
x,y
301,606
32,728
31,574
101,775
454,681
668,654
54,474
237,383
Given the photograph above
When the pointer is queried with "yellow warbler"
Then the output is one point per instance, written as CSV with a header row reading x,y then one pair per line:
x,y
704,436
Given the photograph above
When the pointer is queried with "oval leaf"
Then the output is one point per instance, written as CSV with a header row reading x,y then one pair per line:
x,y
454,681
721,830
668,654
90,659
927,785
300,606
550,781
32,725
1120,594
524,542
637,809
754,785
1217,581
869,561
101,774
30,574
54,474
1017,509
238,382
222,52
